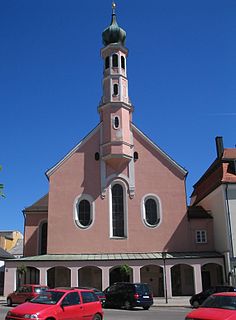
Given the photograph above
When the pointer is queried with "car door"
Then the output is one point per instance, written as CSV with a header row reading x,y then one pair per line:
x,y
71,307
91,304
20,295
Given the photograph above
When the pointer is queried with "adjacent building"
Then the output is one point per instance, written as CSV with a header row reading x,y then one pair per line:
x,y
215,191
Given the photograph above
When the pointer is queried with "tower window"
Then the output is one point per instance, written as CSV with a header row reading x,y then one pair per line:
x,y
115,60
122,62
115,89
116,122
107,62
117,211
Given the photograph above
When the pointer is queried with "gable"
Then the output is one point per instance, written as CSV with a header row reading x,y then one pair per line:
x,y
157,149
50,171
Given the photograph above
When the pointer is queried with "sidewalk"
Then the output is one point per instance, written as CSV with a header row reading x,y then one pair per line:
x,y
172,302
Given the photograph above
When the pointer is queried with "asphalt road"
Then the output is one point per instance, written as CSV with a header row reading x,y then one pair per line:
x,y
154,313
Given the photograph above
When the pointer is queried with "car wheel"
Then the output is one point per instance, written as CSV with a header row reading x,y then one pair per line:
x,y
97,317
127,305
195,304
9,302
146,307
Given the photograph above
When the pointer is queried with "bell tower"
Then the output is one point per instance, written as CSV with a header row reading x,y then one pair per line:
x,y
115,109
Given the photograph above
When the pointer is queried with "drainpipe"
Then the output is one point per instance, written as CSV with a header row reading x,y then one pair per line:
x,y
229,227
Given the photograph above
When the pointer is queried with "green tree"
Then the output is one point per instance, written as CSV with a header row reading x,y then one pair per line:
x,y
125,271
21,271
1,187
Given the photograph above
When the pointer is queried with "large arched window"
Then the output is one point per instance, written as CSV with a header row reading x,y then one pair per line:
x,y
117,211
43,235
84,211
151,210
114,60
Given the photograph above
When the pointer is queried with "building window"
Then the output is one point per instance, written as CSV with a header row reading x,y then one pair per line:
x,y
107,62
115,89
201,236
122,62
116,122
43,237
117,211
84,211
151,210
114,60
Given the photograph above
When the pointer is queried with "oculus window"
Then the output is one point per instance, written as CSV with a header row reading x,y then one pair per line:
x,y
84,211
151,211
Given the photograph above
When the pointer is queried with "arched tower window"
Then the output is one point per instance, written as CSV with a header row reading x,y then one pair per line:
x,y
43,238
114,60
107,62
122,62
117,211
115,89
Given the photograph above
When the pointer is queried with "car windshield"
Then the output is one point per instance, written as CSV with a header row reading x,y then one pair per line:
x,y
221,302
48,297
40,289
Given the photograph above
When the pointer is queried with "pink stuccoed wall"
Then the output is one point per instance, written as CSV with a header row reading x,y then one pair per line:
x,y
31,237
81,174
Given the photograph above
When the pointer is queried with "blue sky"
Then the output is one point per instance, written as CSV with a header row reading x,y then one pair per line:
x,y
181,71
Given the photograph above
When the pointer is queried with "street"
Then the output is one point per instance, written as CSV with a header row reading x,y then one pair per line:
x,y
160,313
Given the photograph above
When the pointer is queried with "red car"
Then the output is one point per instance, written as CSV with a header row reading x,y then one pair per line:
x,y
219,306
60,304
25,293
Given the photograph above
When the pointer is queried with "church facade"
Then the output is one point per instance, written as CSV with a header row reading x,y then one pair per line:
x,y
117,202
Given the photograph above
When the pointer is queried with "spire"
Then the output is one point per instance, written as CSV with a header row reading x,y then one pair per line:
x,y
113,33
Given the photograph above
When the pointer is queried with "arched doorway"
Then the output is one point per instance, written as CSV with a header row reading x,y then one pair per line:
x,y
90,277
121,274
153,275
182,280
212,275
27,275
59,277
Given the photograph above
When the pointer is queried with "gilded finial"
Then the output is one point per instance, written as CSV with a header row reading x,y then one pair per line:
x,y
113,7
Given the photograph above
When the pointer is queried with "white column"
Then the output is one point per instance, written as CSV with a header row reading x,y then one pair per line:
x,y
105,277
168,281
43,276
74,277
197,278
136,274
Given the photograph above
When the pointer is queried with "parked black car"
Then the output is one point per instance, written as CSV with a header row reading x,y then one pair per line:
x,y
197,299
129,295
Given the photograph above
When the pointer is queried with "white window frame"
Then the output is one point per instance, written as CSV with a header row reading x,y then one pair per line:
x,y
143,210
125,204
113,122
78,199
201,236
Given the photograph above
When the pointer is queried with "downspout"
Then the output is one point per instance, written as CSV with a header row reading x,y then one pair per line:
x,y
229,277
24,215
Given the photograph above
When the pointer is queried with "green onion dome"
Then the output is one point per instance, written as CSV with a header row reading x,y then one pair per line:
x,y
113,34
